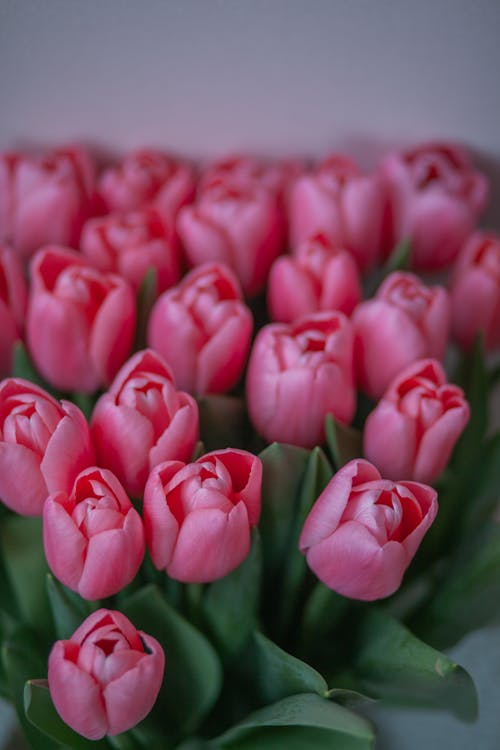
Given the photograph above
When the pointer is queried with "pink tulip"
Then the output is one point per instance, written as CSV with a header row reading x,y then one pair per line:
x,y
475,291
337,200
404,322
298,374
81,322
44,444
319,277
202,329
45,199
13,298
275,176
93,536
105,679
363,531
435,198
413,430
142,421
198,516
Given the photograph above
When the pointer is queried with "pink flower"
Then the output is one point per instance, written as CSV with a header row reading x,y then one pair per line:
x,y
435,198
105,679
129,244
13,298
298,374
413,430
142,421
363,531
202,329
198,516
44,444
475,291
93,536
319,277
81,322
404,322
337,200
44,199
275,176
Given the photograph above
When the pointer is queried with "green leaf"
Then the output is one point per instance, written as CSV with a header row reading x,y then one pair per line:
x,y
474,380
68,609
299,722
322,612
399,259
485,489
193,673
349,698
344,443
40,711
146,296
223,422
393,664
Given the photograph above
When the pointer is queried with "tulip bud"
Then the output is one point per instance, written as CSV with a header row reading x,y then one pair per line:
x,y
13,297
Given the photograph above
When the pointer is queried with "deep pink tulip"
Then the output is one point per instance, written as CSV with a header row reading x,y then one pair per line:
x,y
405,321
475,291
93,536
142,421
299,373
44,444
13,298
363,531
198,516
276,176
319,277
202,329
337,200
105,679
412,431
81,322
435,198
45,199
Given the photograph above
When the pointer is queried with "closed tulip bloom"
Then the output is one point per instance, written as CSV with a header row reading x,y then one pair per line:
x,y
198,516
44,444
142,421
412,431
475,292
93,536
202,329
319,277
337,200
275,176
363,531
81,322
405,321
13,297
105,679
435,198
299,373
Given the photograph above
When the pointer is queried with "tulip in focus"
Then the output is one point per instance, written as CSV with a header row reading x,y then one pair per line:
x,y
198,516
93,536
105,679
412,431
13,298
363,531
299,373
44,444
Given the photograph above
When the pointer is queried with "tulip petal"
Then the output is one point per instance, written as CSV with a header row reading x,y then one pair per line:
x,y
64,544
22,486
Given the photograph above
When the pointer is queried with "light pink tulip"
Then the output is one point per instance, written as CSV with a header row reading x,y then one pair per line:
x,y
435,198
13,298
363,531
404,322
45,199
142,421
475,291
93,536
276,176
198,516
414,428
80,323
105,679
299,373
319,277
202,329
44,444
337,200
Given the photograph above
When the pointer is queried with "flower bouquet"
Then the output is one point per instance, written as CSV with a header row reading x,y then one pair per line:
x,y
244,493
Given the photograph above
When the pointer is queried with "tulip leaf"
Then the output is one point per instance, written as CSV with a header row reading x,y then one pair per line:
x,y
41,712
345,443
68,609
323,610
146,297
399,259
298,722
474,379
223,422
485,490
393,664
193,673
